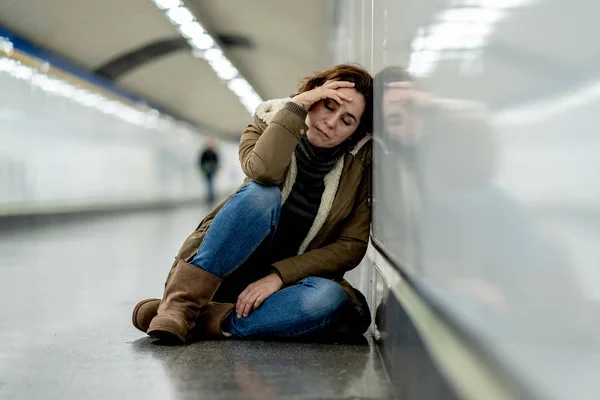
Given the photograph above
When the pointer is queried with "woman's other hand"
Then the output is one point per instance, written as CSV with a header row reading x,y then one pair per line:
x,y
256,293
327,91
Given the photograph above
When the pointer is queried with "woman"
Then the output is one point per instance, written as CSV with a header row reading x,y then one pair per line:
x,y
269,261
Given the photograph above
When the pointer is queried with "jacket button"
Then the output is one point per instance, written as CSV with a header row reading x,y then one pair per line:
x,y
302,131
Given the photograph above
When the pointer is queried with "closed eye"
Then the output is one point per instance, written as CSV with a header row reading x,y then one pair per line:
x,y
351,116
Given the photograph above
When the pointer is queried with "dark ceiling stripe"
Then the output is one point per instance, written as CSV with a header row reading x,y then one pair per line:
x,y
122,64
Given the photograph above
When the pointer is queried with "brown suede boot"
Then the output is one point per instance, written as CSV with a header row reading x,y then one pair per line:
x,y
188,290
143,313
208,323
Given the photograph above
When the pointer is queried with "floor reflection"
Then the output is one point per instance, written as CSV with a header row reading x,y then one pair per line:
x,y
272,370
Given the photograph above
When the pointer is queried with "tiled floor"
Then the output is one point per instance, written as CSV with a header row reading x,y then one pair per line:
x,y
67,292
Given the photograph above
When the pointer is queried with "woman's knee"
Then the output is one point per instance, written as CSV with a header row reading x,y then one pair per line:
x,y
322,295
261,195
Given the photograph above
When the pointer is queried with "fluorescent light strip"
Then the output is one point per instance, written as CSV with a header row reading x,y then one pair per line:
x,y
179,16
464,27
166,4
205,47
142,116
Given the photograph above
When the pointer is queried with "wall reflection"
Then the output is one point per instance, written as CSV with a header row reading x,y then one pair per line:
x,y
485,164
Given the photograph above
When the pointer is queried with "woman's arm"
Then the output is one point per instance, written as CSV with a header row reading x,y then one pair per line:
x,y
266,150
266,147
340,256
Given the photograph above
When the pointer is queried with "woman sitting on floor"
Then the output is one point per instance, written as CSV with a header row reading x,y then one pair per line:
x,y
269,261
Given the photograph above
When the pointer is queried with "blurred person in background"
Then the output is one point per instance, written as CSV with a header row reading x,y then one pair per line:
x,y
209,164
270,260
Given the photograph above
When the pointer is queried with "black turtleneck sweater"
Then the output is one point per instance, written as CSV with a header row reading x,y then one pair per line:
x,y
300,209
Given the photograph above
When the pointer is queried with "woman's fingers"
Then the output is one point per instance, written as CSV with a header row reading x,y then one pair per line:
x,y
344,97
241,302
338,84
329,94
249,302
238,307
246,301
334,96
327,90
338,97
259,300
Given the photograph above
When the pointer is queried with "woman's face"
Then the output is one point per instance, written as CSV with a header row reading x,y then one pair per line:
x,y
330,123
400,121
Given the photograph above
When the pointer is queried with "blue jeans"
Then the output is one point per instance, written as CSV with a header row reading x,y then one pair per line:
x,y
242,231
210,183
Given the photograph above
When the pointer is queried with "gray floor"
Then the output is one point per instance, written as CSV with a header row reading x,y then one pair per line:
x,y
67,292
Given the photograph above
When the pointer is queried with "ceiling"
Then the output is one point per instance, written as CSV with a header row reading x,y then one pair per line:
x,y
288,43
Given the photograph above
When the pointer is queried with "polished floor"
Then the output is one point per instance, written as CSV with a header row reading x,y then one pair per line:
x,y
67,291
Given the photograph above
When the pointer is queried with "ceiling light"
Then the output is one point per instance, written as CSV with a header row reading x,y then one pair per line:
x,y
44,82
5,64
221,63
455,36
251,102
67,90
191,30
166,4
240,87
204,46
419,42
22,72
202,42
224,69
213,55
90,99
422,62
472,42
474,14
6,46
180,15
252,98
453,42
197,53
109,107
501,4
227,74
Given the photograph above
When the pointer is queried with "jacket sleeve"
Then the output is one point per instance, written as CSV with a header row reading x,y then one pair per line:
x,y
265,151
345,253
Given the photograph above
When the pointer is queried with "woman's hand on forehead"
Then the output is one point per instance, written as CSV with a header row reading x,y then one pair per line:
x,y
329,90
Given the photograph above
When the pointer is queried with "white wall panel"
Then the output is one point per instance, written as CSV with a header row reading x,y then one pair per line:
x,y
486,171
56,152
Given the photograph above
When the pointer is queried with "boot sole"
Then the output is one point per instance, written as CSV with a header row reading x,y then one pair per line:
x,y
167,336
135,313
